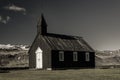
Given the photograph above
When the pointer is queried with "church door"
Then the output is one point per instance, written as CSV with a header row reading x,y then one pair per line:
x,y
39,58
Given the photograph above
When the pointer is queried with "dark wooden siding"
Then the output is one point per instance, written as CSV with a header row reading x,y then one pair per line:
x,y
68,60
31,53
40,42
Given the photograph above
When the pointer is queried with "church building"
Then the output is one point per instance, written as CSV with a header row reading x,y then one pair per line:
x,y
58,51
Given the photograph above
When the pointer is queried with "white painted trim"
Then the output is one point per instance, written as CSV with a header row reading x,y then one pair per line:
x,y
39,58
61,55
87,57
75,56
38,50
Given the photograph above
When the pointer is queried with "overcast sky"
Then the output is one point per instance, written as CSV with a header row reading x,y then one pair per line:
x,y
97,21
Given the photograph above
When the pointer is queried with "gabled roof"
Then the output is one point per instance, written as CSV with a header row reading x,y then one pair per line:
x,y
65,42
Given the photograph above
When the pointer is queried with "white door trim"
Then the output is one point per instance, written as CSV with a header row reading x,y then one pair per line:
x,y
39,58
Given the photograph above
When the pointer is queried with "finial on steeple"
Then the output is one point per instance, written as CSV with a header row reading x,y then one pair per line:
x,y
41,26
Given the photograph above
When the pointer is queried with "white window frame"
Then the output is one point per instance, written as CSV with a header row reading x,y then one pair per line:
x,y
87,56
75,56
61,55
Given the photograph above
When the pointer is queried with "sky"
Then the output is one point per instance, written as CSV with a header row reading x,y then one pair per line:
x,y
97,21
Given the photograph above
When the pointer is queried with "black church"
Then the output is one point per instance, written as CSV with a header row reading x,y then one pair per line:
x,y
57,51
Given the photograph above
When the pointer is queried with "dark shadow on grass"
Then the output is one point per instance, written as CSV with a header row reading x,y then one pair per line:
x,y
4,71
73,68
8,69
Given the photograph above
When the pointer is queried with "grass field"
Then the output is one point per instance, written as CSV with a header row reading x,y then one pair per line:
x,y
80,74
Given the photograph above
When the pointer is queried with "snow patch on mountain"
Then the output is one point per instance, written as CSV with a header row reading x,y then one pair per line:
x,y
10,46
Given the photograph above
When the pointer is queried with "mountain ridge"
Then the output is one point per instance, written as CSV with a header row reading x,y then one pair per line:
x,y
17,47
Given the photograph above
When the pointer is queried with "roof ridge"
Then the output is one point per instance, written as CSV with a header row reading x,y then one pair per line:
x,y
63,35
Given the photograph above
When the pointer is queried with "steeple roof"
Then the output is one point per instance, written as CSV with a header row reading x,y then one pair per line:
x,y
42,21
42,25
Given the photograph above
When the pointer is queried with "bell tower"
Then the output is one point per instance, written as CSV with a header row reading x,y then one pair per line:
x,y
42,26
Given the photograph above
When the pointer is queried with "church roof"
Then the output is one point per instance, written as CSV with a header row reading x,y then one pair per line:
x,y
65,42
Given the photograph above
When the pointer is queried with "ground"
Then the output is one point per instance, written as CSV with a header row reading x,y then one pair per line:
x,y
80,74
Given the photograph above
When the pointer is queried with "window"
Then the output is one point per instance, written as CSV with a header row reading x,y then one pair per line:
x,y
75,56
87,57
61,56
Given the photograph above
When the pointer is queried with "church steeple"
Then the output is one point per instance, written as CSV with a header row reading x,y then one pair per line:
x,y
41,26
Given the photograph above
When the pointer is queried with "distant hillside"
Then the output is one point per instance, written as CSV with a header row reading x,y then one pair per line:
x,y
14,55
107,59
